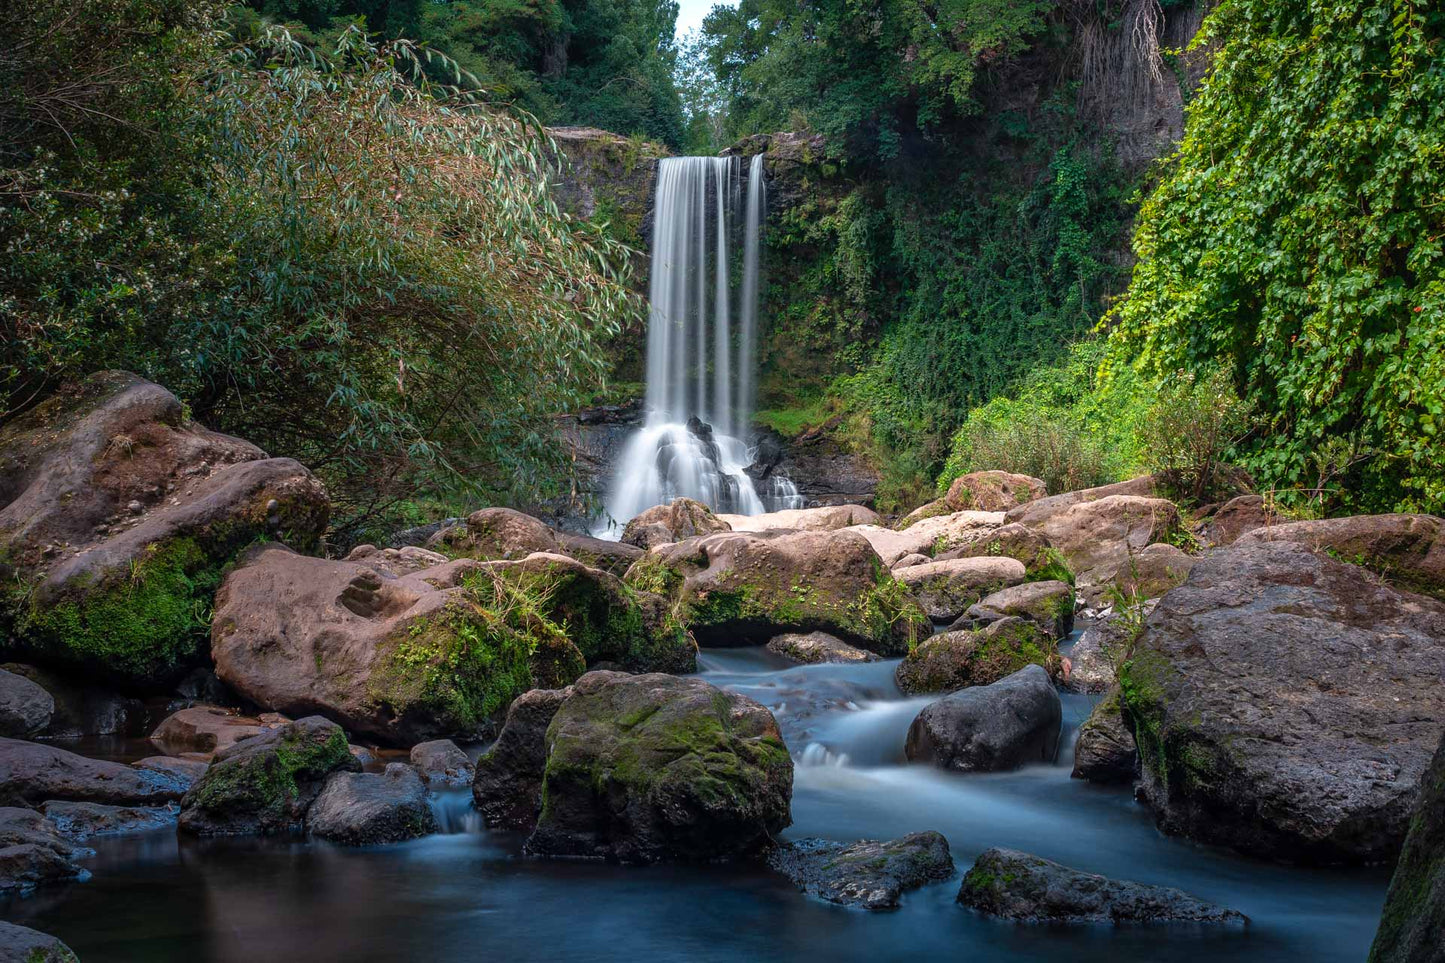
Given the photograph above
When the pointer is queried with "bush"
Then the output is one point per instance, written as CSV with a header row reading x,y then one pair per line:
x,y
1190,430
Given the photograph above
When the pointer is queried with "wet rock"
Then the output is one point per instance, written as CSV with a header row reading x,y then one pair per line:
x,y
120,513
825,518
440,762
1412,928
663,524
80,820
1049,605
1020,886
20,944
34,772
1407,550
956,660
34,853
1104,751
1241,514
265,784
81,709
1100,531
204,730
25,708
868,873
185,771
990,728
815,647
507,787
396,562
369,808
1329,773
993,491
931,536
1146,574
655,767
947,589
737,588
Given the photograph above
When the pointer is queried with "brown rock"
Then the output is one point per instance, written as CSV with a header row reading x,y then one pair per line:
x,y
34,772
1048,604
1241,514
663,524
1147,573
204,730
993,491
824,518
1105,752
1100,531
507,788
947,589
817,647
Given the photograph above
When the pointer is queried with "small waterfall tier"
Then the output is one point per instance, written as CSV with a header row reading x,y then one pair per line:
x,y
701,347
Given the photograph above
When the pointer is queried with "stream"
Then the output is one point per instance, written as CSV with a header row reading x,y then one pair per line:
x,y
469,894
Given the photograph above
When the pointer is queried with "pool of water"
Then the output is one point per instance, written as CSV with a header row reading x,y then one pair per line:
x,y
469,894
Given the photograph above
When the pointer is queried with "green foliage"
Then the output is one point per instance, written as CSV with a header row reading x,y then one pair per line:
x,y
1189,431
1296,239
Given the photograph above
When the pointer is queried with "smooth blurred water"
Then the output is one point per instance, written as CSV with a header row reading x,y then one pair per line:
x,y
468,894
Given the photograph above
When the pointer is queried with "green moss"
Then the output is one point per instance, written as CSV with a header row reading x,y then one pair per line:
x,y
265,784
1050,566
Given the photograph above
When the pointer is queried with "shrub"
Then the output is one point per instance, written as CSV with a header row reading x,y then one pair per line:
x,y
1190,429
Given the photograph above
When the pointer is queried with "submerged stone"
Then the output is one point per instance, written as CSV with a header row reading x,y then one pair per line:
x,y
871,874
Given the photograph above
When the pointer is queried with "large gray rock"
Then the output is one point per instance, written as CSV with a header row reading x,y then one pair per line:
x,y
1104,751
33,852
1147,574
870,873
813,648
1408,550
1287,704
1412,927
266,784
368,808
33,772
1020,886
81,820
83,708
20,944
507,787
990,728
1034,512
442,763
947,589
655,767
25,708
956,660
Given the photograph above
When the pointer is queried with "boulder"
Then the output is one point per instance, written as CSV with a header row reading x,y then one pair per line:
x,y
1103,530
655,767
1015,541
825,518
816,647
1286,704
25,708
119,513
990,728
1031,514
507,787
82,820
396,562
33,853
185,771
437,653
993,491
20,944
931,536
1225,523
664,524
83,709
1408,550
1089,666
494,534
1412,927
1049,605
1145,574
265,784
1019,886
441,763
33,772
735,588
204,730
369,808
947,589
956,660
917,558
869,873
1104,751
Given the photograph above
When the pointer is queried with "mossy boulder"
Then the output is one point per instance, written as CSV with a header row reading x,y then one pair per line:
x,y
1104,751
1412,928
947,589
742,588
655,767
993,491
117,517
264,785
20,944
1049,605
814,648
1145,574
950,661
507,785
1100,531
679,519
1286,704
1040,560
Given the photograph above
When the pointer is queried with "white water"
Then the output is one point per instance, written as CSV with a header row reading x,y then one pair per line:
x,y
701,343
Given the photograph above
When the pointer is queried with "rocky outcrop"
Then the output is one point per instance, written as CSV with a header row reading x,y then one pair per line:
x,y
737,588
817,647
932,536
25,708
662,524
871,874
1099,531
1412,928
1225,523
947,589
33,772
654,767
206,730
956,660
186,772
1019,886
82,820
369,808
266,784
1407,550
20,944
442,763
990,728
825,518
507,786
1104,751
502,534
1047,604
33,852
117,514
1145,574
993,491
1286,704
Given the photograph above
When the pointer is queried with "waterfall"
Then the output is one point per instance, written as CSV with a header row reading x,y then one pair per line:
x,y
701,343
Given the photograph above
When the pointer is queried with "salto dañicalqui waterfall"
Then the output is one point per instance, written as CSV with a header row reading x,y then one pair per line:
x,y
701,341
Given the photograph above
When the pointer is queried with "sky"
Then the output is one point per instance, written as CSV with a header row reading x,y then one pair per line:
x,y
691,12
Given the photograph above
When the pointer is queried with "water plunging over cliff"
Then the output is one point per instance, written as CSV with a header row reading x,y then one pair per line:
x,y
701,341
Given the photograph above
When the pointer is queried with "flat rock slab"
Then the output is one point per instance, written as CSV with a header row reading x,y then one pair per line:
x,y
871,874
1019,886
814,648
930,536
825,518
81,821
34,772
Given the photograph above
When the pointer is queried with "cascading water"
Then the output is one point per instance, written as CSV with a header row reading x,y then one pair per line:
x,y
700,347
